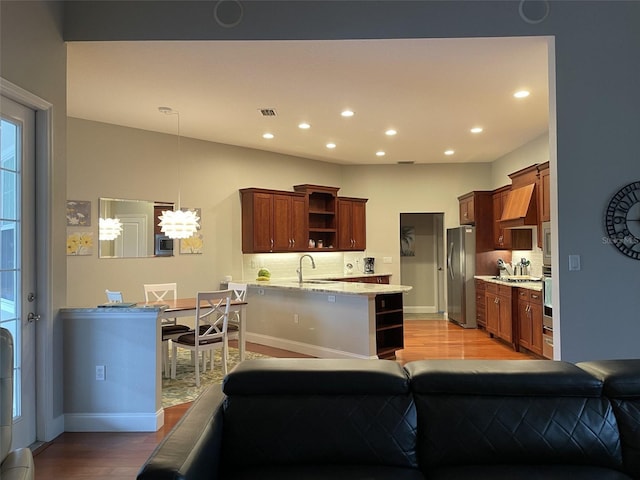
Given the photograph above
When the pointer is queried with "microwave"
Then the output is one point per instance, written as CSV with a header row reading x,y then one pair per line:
x,y
546,243
164,245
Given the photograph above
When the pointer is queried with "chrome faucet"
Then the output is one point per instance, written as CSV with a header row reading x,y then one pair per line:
x,y
299,271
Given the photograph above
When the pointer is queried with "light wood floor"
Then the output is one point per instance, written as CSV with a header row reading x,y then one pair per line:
x,y
102,456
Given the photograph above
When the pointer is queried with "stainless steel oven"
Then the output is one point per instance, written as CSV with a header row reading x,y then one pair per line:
x,y
547,313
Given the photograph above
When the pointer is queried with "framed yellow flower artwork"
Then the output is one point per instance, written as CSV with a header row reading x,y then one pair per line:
x,y
191,245
80,243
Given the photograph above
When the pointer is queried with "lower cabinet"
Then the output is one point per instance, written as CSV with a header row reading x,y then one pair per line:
x,y
530,320
389,325
499,312
481,313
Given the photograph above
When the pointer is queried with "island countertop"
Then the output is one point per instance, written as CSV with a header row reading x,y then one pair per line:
x,y
314,285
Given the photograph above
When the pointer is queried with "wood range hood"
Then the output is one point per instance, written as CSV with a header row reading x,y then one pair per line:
x,y
520,210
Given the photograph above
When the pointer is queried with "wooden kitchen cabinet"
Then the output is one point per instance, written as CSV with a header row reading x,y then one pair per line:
x,y
544,198
322,215
352,223
499,312
389,325
467,211
530,320
501,236
379,279
272,221
481,314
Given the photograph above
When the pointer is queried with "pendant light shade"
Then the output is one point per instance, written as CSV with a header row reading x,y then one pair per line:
x,y
178,223
109,228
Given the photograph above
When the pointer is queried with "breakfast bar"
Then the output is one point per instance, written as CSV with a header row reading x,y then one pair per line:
x,y
327,319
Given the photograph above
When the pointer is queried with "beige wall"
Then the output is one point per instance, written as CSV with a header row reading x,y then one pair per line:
x,y
112,161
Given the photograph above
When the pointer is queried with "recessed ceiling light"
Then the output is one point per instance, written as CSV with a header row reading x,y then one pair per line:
x,y
304,125
331,145
347,113
449,152
380,153
268,136
476,130
391,132
522,94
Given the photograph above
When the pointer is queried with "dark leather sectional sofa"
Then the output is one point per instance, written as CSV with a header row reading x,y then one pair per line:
x,y
320,419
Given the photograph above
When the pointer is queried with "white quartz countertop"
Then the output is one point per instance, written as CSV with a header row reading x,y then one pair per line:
x,y
332,286
139,308
531,284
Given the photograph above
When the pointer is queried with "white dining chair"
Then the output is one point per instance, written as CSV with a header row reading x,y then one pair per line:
x,y
157,292
239,294
113,296
210,333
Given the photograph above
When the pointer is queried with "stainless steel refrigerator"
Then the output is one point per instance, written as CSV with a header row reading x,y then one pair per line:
x,y
461,267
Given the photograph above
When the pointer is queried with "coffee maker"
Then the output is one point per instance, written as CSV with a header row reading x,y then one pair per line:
x,y
368,264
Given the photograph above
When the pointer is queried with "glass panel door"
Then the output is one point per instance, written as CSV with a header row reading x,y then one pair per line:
x,y
17,251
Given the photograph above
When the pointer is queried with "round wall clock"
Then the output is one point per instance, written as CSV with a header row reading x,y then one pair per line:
x,y
622,220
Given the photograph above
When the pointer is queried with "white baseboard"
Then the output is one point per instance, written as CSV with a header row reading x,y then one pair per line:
x,y
420,309
114,422
304,348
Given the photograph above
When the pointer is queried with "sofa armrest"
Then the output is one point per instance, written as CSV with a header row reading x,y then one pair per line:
x,y
18,465
192,449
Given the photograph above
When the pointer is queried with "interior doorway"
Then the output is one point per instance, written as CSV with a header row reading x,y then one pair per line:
x,y
422,259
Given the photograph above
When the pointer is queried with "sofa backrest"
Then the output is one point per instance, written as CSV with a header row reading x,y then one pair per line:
x,y
511,412
621,380
318,411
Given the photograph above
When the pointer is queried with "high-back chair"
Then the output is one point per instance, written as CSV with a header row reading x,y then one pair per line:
x,y
212,320
171,329
113,297
14,464
239,294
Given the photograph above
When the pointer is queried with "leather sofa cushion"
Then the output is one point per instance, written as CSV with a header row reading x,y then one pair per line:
x,y
526,472
318,376
515,412
325,472
318,429
501,377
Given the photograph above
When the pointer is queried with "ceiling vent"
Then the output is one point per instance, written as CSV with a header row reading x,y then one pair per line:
x,y
268,112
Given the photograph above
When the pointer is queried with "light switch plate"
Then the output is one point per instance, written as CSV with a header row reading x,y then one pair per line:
x,y
386,260
574,263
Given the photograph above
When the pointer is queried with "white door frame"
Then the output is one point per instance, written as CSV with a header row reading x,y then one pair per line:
x,y
49,423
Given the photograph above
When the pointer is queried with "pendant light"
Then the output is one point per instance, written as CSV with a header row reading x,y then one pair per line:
x,y
177,223
109,228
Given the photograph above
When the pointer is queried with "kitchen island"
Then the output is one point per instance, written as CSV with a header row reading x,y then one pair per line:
x,y
328,319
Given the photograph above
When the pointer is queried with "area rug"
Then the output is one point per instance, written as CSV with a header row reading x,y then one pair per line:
x,y
183,389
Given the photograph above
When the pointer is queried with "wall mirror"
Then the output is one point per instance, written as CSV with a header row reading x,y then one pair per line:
x,y
136,232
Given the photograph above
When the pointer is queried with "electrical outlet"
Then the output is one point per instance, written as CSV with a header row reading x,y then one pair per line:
x,y
252,263
386,260
100,373
261,291
296,318
332,299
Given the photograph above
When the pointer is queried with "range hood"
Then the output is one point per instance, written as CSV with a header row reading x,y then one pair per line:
x,y
520,209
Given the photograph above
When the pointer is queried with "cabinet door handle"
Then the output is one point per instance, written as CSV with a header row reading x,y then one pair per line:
x,y
271,248
293,242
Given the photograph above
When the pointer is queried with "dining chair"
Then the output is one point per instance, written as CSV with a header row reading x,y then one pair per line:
x,y
210,333
113,297
239,294
157,292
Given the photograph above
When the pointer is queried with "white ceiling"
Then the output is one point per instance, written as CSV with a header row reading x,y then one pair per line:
x,y
432,91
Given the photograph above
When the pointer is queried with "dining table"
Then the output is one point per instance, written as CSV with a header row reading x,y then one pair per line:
x,y
186,307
